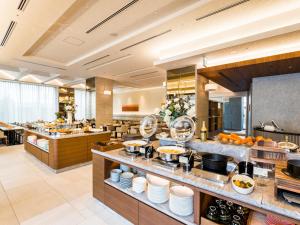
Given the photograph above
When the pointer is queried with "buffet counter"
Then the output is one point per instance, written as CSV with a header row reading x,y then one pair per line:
x,y
64,151
262,201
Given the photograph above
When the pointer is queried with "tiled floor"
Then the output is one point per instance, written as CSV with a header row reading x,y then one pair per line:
x,y
30,193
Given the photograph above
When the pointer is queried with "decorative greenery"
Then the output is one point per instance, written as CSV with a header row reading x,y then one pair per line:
x,y
177,107
58,115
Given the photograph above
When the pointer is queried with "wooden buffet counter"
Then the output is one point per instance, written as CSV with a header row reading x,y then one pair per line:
x,y
139,210
66,150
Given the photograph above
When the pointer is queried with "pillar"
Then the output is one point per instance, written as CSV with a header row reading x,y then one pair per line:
x,y
104,100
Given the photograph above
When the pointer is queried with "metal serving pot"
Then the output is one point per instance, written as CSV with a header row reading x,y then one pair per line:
x,y
215,162
293,167
170,156
134,145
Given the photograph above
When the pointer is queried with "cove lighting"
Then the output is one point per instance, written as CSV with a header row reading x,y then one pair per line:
x,y
272,50
107,92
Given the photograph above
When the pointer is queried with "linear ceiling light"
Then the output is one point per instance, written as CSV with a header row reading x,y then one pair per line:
x,y
222,9
40,64
111,16
22,5
95,60
143,74
8,32
147,78
145,40
110,62
133,71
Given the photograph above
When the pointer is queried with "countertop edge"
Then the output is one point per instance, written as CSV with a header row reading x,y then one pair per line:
x,y
210,187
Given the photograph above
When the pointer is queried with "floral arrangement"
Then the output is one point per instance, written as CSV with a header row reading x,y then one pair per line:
x,y
175,108
70,107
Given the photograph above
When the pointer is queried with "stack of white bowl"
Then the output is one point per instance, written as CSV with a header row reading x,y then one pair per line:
x,y
115,175
139,184
181,200
43,143
158,189
126,179
32,139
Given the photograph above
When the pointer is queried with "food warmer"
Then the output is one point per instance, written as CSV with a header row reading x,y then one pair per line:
x,y
182,130
148,128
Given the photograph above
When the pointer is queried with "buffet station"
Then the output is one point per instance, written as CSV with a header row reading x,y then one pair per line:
x,y
62,146
181,180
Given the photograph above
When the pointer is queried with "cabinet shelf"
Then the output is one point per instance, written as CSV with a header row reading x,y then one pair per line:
x,y
164,207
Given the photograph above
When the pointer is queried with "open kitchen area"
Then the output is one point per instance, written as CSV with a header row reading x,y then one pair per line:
x,y
144,112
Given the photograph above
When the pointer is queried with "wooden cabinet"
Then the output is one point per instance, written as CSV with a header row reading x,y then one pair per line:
x,y
121,203
45,157
66,151
150,216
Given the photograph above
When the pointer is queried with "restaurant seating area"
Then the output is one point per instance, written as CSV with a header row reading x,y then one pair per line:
x,y
153,112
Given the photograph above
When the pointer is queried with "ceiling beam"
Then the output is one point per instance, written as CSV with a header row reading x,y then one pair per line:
x,y
52,77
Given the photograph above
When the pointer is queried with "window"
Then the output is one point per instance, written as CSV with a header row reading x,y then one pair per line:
x,y
80,102
20,102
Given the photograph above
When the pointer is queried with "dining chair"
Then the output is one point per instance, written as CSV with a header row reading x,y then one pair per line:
x,y
3,137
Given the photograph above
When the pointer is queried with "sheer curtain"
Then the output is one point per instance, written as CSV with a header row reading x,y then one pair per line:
x,y
22,102
91,104
80,102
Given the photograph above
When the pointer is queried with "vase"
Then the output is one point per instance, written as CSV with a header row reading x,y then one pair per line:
x,y
69,117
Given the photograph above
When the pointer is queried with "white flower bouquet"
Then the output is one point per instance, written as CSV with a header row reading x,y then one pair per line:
x,y
70,107
175,108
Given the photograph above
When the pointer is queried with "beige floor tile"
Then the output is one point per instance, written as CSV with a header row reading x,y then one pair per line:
x,y
28,191
37,204
62,215
19,180
32,194
94,220
7,215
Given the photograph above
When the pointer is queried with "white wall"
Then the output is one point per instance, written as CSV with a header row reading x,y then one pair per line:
x,y
148,99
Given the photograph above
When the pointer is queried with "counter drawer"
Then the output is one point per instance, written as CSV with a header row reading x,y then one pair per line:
x,y
150,216
121,203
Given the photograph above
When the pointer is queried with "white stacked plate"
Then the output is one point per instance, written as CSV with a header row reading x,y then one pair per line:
x,y
32,139
181,200
158,189
43,143
139,184
126,180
